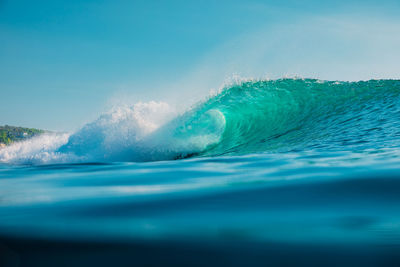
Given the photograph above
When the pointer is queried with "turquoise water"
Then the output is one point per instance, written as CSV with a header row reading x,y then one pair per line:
x,y
290,171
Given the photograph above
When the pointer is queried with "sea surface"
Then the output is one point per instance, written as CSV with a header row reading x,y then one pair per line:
x,y
263,172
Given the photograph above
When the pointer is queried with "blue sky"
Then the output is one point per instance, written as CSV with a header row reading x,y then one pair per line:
x,y
64,62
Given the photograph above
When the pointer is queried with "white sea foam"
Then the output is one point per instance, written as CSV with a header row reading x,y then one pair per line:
x,y
111,137
38,150
115,134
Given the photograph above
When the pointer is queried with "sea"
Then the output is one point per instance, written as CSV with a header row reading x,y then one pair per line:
x,y
286,172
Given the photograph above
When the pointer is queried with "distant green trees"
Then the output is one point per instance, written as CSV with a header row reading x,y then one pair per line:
x,y
4,138
9,134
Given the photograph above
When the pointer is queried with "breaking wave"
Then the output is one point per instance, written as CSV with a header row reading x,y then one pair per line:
x,y
247,117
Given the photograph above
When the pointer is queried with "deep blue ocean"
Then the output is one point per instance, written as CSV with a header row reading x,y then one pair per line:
x,y
268,172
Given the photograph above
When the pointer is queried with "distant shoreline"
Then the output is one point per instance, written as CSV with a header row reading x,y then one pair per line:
x,y
10,134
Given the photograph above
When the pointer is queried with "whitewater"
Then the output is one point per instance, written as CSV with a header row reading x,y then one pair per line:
x,y
286,171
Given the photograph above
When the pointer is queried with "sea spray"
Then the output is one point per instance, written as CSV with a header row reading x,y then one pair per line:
x,y
116,135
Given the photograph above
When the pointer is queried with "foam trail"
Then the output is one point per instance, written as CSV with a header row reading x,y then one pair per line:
x,y
37,150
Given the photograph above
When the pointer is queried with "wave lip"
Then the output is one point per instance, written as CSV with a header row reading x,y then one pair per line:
x,y
301,114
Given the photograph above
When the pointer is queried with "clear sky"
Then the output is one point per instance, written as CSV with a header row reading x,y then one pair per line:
x,y
64,62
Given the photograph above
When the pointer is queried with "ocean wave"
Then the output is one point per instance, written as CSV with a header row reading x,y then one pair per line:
x,y
247,117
